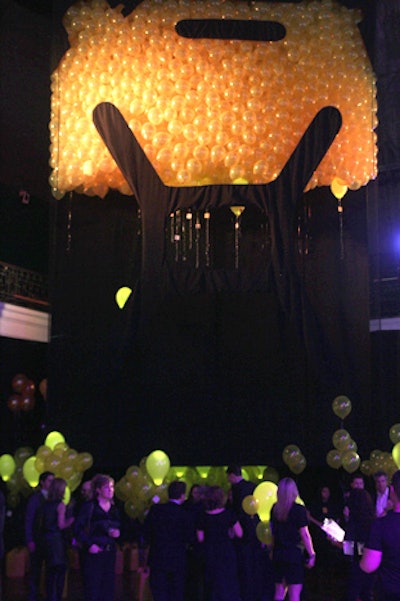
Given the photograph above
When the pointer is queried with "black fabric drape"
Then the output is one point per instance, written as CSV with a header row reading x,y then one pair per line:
x,y
278,199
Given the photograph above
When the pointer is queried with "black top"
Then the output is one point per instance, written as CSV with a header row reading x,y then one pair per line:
x,y
385,537
93,523
287,538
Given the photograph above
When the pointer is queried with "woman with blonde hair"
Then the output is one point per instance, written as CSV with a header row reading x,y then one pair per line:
x,y
290,534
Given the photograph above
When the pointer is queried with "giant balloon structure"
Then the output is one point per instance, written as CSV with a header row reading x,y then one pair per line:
x,y
206,110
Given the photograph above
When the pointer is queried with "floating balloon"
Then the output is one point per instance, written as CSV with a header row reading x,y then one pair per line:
x,y
338,188
83,461
30,472
394,433
271,474
341,406
18,382
250,505
7,466
53,438
396,454
341,439
22,454
290,452
43,388
14,402
67,495
350,461
366,468
334,459
122,296
157,465
263,532
265,495
298,465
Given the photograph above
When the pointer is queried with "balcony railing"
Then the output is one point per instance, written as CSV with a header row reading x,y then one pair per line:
x,y
24,287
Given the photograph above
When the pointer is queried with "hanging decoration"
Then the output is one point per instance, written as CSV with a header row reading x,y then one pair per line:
x,y
209,111
237,211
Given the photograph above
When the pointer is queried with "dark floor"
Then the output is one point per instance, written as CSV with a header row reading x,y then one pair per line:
x,y
318,587
127,588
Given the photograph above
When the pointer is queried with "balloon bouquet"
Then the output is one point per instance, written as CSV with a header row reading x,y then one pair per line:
x,y
21,472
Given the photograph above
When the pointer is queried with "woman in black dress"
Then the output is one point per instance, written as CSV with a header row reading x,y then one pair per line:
x,y
96,529
216,528
289,526
54,524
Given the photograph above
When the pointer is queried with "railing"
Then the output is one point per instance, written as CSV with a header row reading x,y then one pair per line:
x,y
24,287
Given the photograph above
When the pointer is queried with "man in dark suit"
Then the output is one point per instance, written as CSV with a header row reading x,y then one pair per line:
x,y
168,530
33,533
248,548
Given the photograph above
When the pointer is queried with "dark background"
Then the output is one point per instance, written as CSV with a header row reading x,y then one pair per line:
x,y
221,375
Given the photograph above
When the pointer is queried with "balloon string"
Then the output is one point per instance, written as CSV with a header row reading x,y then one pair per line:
x,y
340,212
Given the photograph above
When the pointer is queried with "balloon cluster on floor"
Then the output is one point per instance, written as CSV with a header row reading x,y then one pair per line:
x,y
210,111
21,471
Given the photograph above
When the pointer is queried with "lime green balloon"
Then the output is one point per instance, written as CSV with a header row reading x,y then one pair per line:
x,y
67,495
30,472
53,438
396,454
265,495
122,295
7,466
157,465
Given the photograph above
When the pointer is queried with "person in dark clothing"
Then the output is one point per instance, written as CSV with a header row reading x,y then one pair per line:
x,y
217,528
289,526
97,528
34,533
360,514
248,548
194,588
168,530
382,550
55,522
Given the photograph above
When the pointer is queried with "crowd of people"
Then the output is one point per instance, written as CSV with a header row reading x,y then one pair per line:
x,y
201,545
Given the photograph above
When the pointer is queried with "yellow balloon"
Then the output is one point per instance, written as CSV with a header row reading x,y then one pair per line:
x,y
394,433
298,465
67,495
250,505
53,438
157,465
341,439
30,472
341,406
263,532
396,454
290,452
350,461
265,495
334,459
7,466
338,188
122,295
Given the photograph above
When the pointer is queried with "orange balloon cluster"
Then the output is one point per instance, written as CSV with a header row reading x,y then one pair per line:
x,y
210,111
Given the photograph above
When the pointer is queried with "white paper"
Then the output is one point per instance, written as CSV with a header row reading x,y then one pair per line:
x,y
333,529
